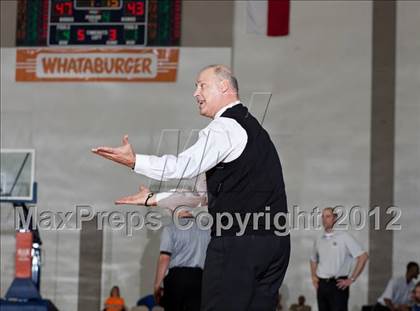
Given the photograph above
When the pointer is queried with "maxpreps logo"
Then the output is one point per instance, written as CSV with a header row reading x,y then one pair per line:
x,y
96,65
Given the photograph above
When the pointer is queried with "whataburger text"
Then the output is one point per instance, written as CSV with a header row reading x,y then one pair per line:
x,y
96,65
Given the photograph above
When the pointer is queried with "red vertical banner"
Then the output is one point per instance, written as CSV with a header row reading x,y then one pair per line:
x,y
23,259
278,17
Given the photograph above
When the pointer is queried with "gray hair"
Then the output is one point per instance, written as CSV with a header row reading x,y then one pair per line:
x,y
224,73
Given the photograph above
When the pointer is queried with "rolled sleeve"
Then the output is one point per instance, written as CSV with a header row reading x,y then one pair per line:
x,y
166,243
353,246
314,254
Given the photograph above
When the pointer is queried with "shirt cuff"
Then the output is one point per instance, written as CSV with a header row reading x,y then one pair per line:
x,y
165,253
359,253
142,163
162,195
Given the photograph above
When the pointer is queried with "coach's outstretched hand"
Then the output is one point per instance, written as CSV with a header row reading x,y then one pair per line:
x,y
124,154
139,198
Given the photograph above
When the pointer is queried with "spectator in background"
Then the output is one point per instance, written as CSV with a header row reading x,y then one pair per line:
x,y
333,255
396,296
300,306
182,256
182,249
114,302
416,298
397,293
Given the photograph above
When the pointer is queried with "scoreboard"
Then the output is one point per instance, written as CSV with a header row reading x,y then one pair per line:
x,y
98,22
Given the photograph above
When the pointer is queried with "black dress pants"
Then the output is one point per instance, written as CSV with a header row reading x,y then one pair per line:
x,y
244,273
182,289
330,297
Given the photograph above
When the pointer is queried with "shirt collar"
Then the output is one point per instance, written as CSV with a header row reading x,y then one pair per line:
x,y
328,235
220,112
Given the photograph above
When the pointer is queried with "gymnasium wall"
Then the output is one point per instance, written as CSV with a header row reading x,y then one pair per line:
x,y
407,136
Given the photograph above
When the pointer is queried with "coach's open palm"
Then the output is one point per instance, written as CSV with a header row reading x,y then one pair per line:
x,y
124,154
137,199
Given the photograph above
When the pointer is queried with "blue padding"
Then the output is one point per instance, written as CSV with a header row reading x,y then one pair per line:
x,y
22,289
32,305
148,301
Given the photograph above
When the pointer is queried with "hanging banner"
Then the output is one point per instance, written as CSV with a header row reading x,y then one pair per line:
x,y
97,64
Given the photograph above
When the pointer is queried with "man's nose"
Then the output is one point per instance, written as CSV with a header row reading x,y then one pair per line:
x,y
196,93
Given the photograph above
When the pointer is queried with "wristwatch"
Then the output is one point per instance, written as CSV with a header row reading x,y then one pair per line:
x,y
148,197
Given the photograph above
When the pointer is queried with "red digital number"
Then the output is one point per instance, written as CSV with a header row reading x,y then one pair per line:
x,y
64,8
112,34
136,7
113,3
81,35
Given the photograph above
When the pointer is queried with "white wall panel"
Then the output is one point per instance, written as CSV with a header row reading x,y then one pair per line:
x,y
407,136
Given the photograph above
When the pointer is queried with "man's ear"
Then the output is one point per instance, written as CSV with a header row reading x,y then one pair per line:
x,y
224,86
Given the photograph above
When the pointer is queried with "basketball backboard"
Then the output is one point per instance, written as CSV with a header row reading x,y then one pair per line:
x,y
17,175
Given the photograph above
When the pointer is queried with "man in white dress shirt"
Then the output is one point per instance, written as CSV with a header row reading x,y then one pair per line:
x,y
247,257
331,261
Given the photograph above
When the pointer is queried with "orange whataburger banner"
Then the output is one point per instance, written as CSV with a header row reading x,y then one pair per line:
x,y
96,64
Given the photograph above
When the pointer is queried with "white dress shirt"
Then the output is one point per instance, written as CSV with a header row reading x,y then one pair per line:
x,y
174,198
335,252
398,291
223,140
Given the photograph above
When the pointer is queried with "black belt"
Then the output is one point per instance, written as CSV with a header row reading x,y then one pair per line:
x,y
186,269
333,278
